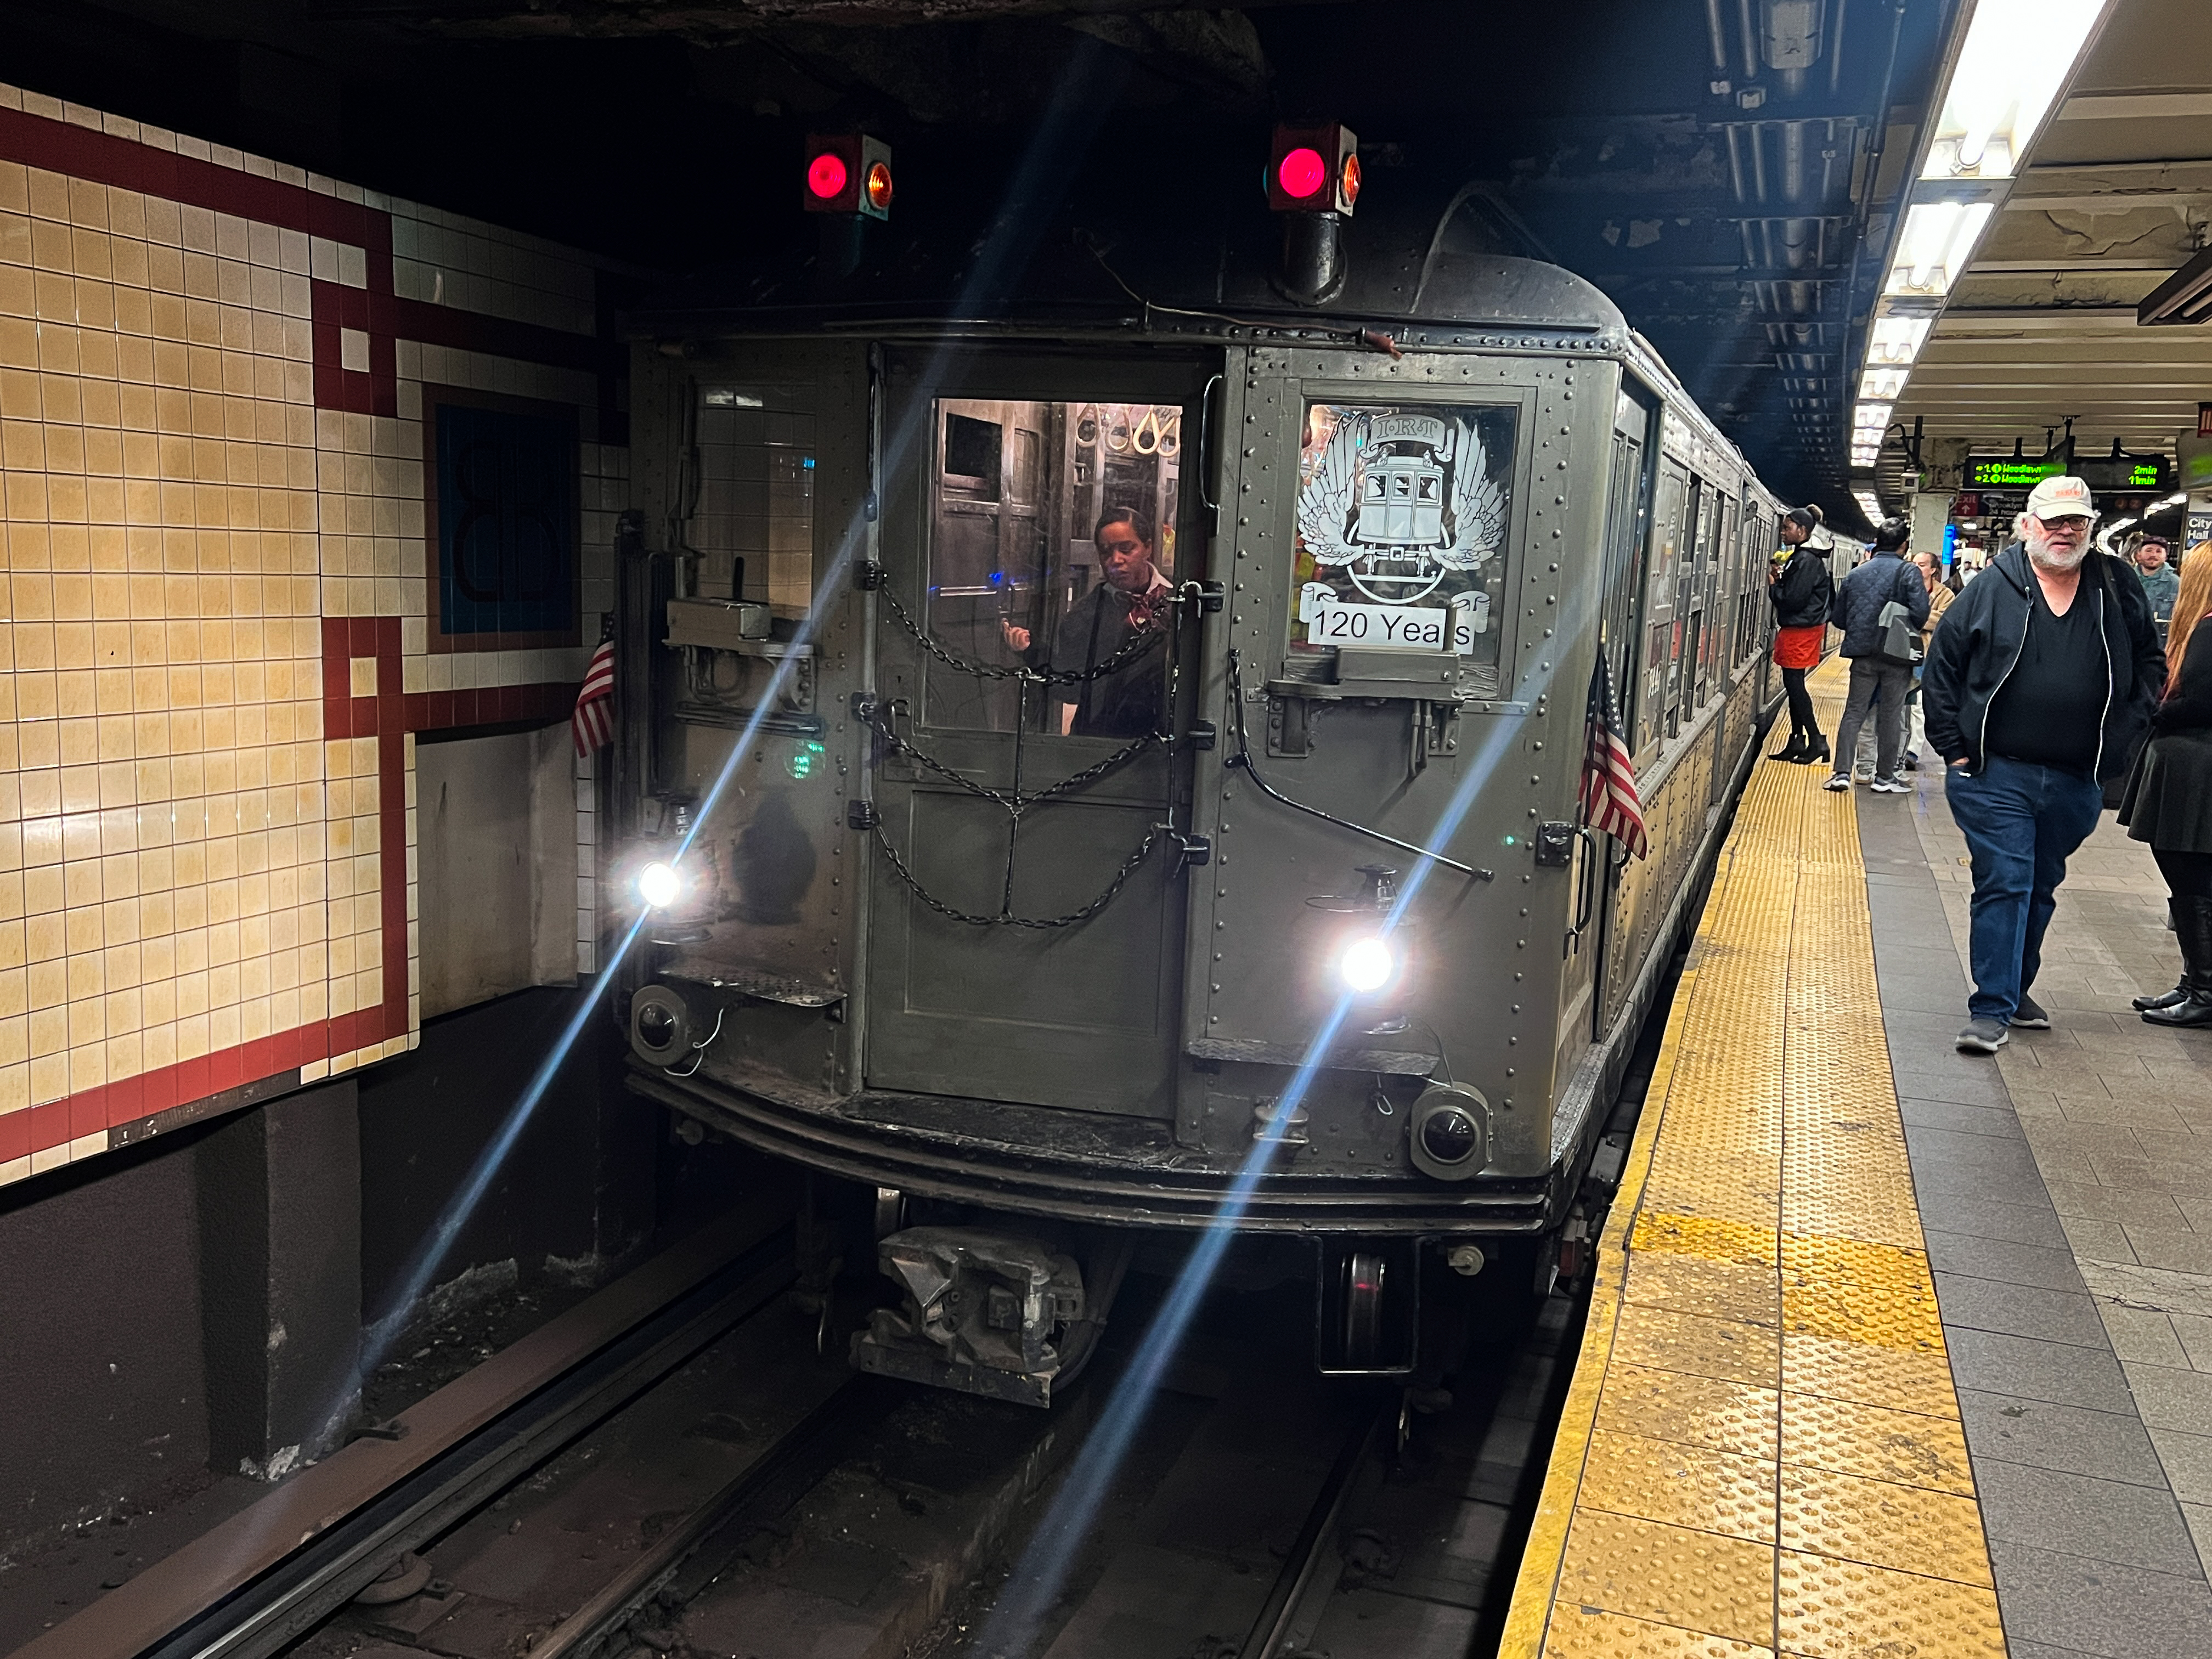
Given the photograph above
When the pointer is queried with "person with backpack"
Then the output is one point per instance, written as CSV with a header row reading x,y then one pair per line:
x,y
1801,589
1884,591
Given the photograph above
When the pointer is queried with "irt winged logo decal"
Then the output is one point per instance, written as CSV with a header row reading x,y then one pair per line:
x,y
1397,499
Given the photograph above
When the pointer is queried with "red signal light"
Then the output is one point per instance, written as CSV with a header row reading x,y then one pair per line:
x,y
848,172
1313,168
825,176
1302,173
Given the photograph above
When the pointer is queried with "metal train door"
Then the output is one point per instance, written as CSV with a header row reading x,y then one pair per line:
x,y
1027,913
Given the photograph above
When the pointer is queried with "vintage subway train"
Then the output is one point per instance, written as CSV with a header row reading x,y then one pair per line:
x,y
1076,762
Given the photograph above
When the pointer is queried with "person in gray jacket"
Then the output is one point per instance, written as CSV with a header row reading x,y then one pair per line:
x,y
1884,577
2161,583
2038,688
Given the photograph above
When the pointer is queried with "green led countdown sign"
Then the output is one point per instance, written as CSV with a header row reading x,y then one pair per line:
x,y
2004,472
2125,474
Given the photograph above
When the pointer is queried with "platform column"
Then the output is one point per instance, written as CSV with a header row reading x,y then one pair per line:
x,y
280,1274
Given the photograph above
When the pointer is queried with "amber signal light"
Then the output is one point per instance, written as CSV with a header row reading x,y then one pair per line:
x,y
848,172
1313,168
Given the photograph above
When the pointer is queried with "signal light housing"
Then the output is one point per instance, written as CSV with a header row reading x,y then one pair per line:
x,y
1313,168
847,172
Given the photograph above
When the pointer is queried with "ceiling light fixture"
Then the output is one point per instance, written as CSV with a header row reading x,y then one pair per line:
x,y
1897,340
2016,59
2183,297
1938,240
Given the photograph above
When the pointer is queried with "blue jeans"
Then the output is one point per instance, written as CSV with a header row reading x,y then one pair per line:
x,y
2021,823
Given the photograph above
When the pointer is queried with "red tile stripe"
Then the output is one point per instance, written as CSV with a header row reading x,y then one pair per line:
x,y
115,1105
101,157
388,717
63,147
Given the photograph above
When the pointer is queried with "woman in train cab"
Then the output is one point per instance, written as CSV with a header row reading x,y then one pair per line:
x,y
1801,589
2169,796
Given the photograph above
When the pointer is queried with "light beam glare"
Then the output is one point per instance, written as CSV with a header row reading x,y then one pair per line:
x,y
1040,1574
1076,112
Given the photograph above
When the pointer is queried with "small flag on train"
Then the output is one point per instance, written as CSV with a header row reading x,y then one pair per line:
x,y
1610,799
593,722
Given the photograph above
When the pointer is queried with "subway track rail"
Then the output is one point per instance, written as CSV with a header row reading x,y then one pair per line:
x,y
675,1467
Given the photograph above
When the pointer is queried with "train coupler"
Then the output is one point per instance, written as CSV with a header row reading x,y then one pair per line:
x,y
981,1313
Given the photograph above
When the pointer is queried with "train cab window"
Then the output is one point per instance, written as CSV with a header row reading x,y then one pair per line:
x,y
1403,512
1052,544
754,522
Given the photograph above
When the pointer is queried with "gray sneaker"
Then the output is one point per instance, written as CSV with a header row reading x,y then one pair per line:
x,y
1892,787
1983,1036
2028,1015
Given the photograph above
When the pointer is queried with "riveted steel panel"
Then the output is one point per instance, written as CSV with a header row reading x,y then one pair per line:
x,y
1485,958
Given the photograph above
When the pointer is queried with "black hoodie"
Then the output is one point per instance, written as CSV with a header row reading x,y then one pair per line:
x,y
1981,639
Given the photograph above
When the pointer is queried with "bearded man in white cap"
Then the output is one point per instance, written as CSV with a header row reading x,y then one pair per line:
x,y
2037,689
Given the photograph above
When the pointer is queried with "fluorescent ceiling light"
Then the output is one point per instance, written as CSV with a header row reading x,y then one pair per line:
x,y
1871,417
1897,340
2010,72
1938,240
2183,297
1885,383
1869,503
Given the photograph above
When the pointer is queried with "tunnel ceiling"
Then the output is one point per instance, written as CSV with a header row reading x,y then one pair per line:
x,y
1724,169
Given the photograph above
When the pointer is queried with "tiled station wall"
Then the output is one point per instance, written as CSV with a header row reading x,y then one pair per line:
x,y
222,636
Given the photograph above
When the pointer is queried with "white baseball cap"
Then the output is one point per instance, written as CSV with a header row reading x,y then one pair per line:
x,y
2061,498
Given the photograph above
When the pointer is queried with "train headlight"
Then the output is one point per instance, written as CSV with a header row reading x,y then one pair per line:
x,y
660,1025
1450,1130
659,884
1367,964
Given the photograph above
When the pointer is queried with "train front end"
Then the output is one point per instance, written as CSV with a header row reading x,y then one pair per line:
x,y
1073,787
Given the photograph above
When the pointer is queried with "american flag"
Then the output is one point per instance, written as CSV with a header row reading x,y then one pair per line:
x,y
1610,799
593,722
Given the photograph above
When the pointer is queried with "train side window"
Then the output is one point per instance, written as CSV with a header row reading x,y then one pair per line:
x,y
1052,544
1655,718
1403,515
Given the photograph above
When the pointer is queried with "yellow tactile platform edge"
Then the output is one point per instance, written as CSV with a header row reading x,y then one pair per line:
x,y
1761,1454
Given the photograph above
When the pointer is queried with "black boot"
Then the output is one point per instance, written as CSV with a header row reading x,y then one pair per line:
x,y
2192,921
2179,993
1793,752
1815,751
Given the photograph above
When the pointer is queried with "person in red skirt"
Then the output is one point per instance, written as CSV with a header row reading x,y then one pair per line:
x,y
1801,589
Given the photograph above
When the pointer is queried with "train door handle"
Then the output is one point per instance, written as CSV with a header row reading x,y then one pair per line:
x,y
1585,888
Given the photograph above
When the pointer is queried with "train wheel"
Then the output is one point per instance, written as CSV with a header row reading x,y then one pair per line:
x,y
1366,1272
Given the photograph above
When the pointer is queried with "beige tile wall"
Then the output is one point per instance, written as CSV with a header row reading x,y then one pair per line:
x,y
189,868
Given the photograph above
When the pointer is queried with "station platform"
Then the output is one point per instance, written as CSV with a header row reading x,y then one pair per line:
x,y
1893,1350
